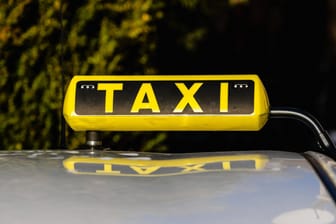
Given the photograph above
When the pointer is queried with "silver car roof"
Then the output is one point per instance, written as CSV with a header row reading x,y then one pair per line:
x,y
38,187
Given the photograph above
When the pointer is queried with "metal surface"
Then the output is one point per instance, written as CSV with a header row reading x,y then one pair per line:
x,y
37,188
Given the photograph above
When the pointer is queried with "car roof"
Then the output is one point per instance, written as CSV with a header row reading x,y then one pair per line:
x,y
97,185
233,187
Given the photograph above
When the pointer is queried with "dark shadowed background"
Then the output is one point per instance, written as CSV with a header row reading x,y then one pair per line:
x,y
289,44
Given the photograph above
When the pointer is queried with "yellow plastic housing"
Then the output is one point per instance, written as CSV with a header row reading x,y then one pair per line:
x,y
176,120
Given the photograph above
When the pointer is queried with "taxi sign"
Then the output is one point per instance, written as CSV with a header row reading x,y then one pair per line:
x,y
166,102
163,167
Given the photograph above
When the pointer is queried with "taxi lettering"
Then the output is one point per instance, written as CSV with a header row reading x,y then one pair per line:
x,y
106,168
137,98
165,103
112,169
152,167
146,99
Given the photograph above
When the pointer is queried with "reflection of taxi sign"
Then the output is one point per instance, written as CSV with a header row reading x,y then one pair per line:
x,y
166,102
138,167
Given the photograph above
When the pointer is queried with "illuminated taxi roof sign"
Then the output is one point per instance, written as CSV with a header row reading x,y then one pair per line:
x,y
166,103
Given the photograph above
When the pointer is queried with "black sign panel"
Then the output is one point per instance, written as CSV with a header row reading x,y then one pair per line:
x,y
164,97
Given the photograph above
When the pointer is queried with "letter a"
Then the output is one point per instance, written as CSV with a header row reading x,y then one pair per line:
x,y
145,90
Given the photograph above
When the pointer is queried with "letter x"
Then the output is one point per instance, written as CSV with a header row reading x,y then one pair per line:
x,y
194,167
188,97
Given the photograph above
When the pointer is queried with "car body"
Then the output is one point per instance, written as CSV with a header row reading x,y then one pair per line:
x,y
235,187
97,185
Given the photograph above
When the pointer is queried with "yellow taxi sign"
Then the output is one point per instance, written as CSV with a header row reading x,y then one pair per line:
x,y
139,167
166,103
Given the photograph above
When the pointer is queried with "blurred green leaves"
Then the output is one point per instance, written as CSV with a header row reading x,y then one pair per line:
x,y
44,43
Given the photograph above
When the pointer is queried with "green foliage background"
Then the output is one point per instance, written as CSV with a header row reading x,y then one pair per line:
x,y
44,43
